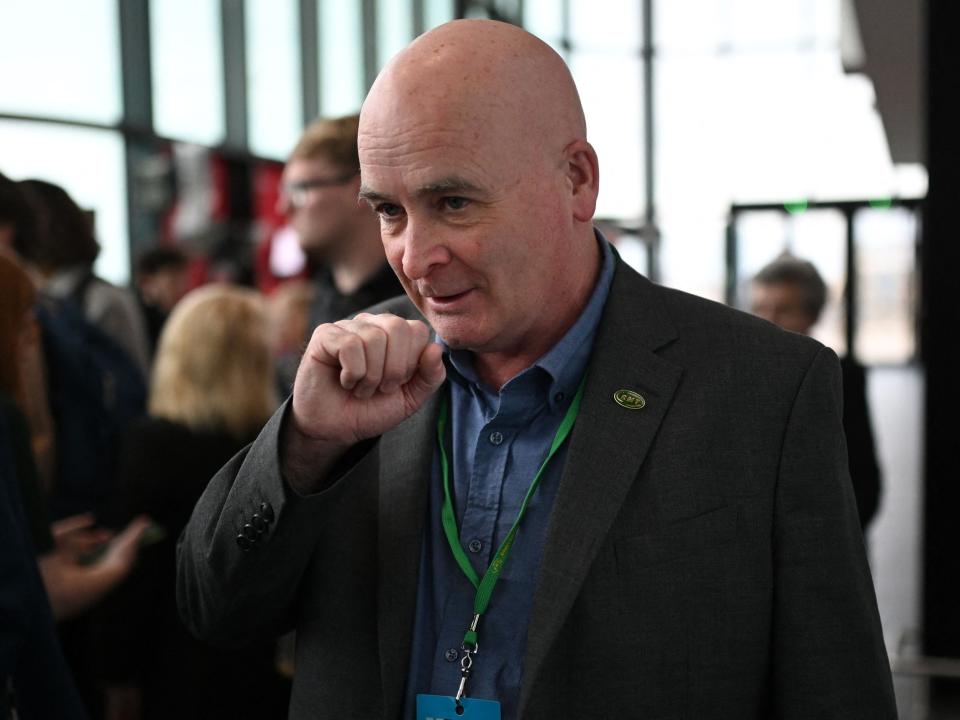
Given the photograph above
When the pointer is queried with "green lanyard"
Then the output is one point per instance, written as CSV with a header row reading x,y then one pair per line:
x,y
485,585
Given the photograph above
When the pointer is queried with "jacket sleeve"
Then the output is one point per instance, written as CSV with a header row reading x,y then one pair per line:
x,y
230,596
829,659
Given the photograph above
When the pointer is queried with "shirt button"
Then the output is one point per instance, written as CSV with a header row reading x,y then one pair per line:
x,y
475,546
558,397
451,655
496,437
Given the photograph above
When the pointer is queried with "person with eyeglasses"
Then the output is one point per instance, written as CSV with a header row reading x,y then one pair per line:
x,y
341,237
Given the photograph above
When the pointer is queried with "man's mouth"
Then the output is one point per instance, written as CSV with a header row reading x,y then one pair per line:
x,y
440,300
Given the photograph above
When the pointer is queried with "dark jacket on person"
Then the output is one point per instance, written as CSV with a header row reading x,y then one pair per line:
x,y
703,558
164,467
34,677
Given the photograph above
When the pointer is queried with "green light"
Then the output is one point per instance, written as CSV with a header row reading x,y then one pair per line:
x,y
881,203
796,207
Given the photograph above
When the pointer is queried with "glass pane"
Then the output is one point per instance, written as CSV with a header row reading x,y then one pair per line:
x,y
750,24
886,285
692,252
611,26
811,132
60,58
437,12
615,128
342,85
761,236
544,18
676,31
710,26
187,58
394,28
89,164
820,236
275,106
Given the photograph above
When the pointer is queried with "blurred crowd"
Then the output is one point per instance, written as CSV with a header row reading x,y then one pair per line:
x,y
117,405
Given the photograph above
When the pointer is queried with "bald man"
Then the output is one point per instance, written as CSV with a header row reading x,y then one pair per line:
x,y
538,486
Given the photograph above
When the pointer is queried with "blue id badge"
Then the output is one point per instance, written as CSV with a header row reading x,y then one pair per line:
x,y
444,707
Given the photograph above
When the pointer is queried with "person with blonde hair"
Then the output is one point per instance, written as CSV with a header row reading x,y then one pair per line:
x,y
213,369
212,388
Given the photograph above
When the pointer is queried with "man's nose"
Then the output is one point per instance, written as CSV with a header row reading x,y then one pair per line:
x,y
423,249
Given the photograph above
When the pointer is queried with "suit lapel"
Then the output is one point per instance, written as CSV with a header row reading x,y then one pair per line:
x,y
607,447
406,453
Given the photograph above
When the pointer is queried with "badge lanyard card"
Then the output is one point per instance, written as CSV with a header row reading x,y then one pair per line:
x,y
442,707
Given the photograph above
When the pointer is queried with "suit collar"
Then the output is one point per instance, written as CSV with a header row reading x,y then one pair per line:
x,y
607,447
405,456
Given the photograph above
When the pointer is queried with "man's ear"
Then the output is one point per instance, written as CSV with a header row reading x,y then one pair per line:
x,y
583,174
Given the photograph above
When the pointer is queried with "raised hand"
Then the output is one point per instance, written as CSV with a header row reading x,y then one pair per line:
x,y
358,378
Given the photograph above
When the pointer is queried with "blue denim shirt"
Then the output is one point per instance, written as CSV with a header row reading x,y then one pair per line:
x,y
499,439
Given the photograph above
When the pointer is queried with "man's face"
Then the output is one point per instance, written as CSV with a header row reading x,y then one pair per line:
x,y
319,200
472,225
782,304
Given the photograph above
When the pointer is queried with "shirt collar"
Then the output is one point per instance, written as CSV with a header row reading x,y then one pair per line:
x,y
567,360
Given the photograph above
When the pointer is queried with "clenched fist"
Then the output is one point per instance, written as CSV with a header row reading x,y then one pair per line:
x,y
358,379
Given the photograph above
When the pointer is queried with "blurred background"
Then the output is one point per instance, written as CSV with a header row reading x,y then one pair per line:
x,y
728,131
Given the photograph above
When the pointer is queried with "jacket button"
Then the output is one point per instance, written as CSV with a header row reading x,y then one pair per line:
x,y
250,532
244,543
258,523
266,511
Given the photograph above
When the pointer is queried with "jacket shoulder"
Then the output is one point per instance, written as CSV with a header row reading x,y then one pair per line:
x,y
712,324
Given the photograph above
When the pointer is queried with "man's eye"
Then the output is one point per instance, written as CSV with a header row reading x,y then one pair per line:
x,y
388,210
455,203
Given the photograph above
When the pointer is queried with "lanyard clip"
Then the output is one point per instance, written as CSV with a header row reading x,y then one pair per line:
x,y
461,691
470,648
465,665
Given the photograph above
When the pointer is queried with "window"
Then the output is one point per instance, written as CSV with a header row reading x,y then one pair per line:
x,y
60,59
187,63
274,102
887,285
614,128
394,28
89,165
436,12
342,84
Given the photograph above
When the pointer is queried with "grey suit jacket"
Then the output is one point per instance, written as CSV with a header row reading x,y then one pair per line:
x,y
704,558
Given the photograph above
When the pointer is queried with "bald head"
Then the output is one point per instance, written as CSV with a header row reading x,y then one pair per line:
x,y
473,154
491,77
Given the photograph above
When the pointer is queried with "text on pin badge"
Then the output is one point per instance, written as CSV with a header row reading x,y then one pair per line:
x,y
629,399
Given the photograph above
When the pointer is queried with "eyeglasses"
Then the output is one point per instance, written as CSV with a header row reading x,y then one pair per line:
x,y
297,193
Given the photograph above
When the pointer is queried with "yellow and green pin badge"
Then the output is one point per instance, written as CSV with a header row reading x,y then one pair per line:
x,y
629,399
